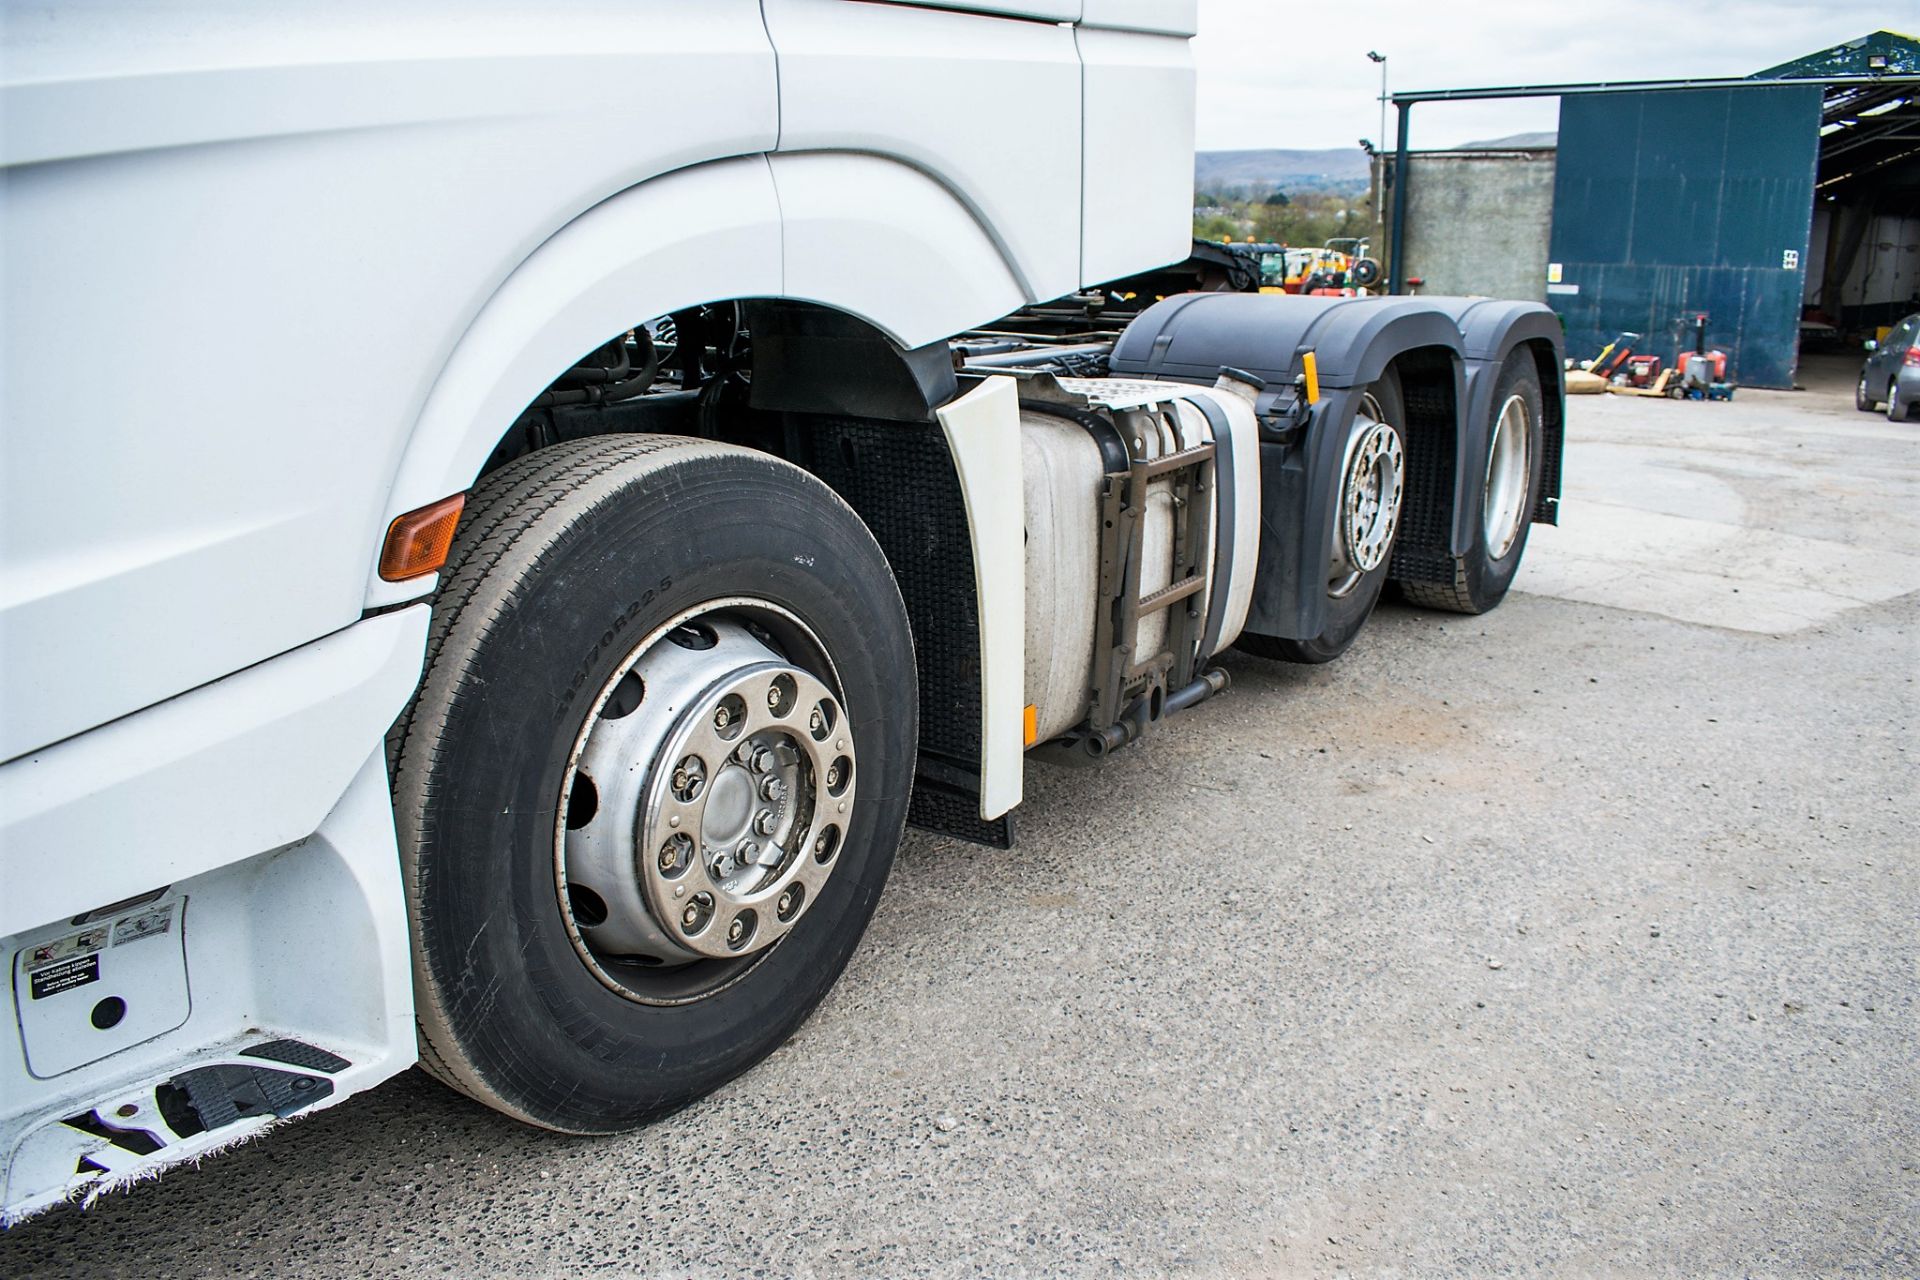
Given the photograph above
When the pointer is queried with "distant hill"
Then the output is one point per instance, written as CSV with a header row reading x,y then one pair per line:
x,y
1338,168
1514,142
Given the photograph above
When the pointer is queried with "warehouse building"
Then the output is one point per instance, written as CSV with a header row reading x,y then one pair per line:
x,y
1784,206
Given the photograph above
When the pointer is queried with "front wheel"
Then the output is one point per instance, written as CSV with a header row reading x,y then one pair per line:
x,y
1366,519
1503,502
1862,398
653,779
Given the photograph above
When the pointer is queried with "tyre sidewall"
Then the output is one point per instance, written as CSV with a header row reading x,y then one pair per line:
x,y
1487,577
540,1029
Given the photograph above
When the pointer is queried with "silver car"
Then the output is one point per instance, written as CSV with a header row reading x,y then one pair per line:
x,y
1891,375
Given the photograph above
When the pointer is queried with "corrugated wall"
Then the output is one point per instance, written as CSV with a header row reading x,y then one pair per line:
x,y
1670,203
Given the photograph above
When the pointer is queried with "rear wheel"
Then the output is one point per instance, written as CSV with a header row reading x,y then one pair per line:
x,y
1503,502
1898,410
1366,519
652,783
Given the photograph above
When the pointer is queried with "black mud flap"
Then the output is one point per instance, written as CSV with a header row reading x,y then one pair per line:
x,y
946,800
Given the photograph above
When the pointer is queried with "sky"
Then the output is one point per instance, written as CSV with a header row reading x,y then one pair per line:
x,y
1279,74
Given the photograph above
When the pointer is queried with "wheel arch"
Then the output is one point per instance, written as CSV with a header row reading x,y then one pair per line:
x,y
795,227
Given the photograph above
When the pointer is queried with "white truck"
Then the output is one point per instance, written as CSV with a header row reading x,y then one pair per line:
x,y
508,510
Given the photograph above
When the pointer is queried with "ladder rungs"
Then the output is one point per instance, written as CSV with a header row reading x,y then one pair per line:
x,y
1170,595
1175,461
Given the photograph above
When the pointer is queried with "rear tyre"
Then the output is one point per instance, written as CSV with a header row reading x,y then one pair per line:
x,y
1898,410
1367,509
652,782
1503,504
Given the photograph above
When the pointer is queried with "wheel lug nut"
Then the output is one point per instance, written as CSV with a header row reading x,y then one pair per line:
x,y
773,697
816,723
773,789
698,912
737,930
688,779
833,776
761,760
789,900
722,718
675,854
764,824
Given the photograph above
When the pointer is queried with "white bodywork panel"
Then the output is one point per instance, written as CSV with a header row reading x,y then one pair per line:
x,y
1162,17
216,349
989,107
1166,17
852,258
983,431
1136,213
248,763
1039,10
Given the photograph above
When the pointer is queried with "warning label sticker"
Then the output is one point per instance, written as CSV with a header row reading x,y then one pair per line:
x,y
144,924
74,944
65,976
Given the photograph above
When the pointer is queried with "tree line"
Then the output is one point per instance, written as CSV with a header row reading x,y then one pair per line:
x,y
1302,218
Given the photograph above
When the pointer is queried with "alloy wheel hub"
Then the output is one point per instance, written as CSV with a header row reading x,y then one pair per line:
x,y
706,800
1371,486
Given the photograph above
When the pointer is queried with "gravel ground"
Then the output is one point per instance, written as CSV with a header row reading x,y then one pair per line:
x,y
1575,939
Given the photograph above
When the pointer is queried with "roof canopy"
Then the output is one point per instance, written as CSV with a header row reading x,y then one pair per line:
x,y
1869,131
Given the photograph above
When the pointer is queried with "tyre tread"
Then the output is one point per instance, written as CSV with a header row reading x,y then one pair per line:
x,y
1451,597
507,504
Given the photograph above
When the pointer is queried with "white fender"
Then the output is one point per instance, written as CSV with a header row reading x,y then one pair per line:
x,y
884,241
705,233
869,236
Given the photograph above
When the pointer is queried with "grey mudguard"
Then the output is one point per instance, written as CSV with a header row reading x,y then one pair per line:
x,y
1190,337
1460,344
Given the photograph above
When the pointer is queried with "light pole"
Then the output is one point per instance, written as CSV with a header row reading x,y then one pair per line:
x,y
1380,182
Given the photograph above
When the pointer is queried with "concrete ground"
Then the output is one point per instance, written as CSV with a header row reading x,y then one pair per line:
x,y
1576,939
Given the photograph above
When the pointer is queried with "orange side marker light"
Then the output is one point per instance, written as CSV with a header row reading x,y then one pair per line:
x,y
1033,723
418,542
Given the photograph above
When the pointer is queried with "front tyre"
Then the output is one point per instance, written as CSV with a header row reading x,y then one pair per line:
x,y
1503,502
652,782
